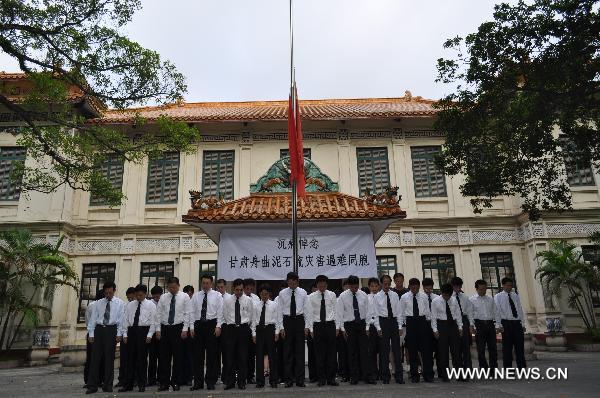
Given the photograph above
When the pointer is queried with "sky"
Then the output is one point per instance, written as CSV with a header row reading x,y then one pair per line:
x,y
238,50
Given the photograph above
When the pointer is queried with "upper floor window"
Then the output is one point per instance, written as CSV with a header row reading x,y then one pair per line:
x,y
429,180
494,267
93,277
163,179
217,174
579,171
373,169
286,152
112,169
10,190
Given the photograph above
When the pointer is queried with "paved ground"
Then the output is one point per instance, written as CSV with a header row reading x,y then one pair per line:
x,y
583,381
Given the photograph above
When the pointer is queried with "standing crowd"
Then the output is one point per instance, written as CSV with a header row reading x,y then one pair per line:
x,y
196,338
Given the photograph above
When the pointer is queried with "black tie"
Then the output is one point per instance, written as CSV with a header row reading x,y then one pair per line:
x,y
513,308
323,313
448,312
415,306
204,305
238,316
106,318
355,306
262,315
136,317
459,306
429,298
293,304
389,306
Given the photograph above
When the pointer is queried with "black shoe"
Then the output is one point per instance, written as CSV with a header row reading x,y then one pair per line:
x,y
333,383
251,380
289,384
301,384
414,379
142,389
385,381
354,382
312,380
210,386
371,381
320,383
242,386
119,384
91,390
428,380
175,387
151,384
260,385
229,386
399,381
86,386
274,385
345,379
163,388
445,380
125,389
197,387
107,389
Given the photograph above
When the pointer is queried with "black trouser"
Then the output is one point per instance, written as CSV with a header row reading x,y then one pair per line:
x,y
513,336
342,352
123,366
235,346
170,349
358,350
449,339
325,350
251,359
205,344
219,359
373,351
88,360
435,353
103,349
465,344
390,334
265,345
153,349
485,335
312,366
187,364
293,347
418,341
137,360
281,359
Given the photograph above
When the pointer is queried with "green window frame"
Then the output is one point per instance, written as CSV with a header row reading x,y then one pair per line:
x,y
10,190
579,172
208,267
156,274
93,277
429,181
286,152
218,173
591,253
386,265
112,168
494,267
373,169
439,267
163,179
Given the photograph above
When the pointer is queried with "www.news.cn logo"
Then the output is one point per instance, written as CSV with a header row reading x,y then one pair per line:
x,y
509,374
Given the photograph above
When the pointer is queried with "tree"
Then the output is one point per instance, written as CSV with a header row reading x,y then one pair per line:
x,y
29,274
532,69
68,46
563,268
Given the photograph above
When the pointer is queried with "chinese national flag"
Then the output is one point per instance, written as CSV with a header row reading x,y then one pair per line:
x,y
296,147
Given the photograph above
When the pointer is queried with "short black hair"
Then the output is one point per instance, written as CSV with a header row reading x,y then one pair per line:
x,y
156,290
221,280
456,281
353,280
321,278
291,276
238,282
130,290
141,288
264,286
506,279
345,282
383,277
188,288
480,282
446,289
249,282
373,280
398,274
172,279
108,285
207,276
427,282
413,281
365,289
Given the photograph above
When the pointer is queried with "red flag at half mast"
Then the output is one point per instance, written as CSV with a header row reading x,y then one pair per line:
x,y
296,147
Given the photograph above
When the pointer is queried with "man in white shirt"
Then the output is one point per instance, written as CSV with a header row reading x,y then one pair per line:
x,y
414,313
153,349
249,289
291,303
354,312
88,345
484,315
221,288
509,314
265,333
386,307
320,312
236,322
427,284
446,324
373,284
123,354
172,321
206,309
138,328
104,333
466,311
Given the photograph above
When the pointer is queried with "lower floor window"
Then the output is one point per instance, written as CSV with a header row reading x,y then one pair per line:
x,y
156,274
439,267
93,277
495,267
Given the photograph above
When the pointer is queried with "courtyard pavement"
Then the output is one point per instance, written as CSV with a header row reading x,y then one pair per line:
x,y
583,381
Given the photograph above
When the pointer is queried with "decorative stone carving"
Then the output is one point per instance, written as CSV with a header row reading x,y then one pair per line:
x,y
200,202
99,246
495,236
430,133
436,237
464,237
187,242
408,238
389,197
204,243
389,240
538,230
149,244
128,245
277,178
572,229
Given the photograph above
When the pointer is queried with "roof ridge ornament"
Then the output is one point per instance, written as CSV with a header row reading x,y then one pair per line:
x,y
277,178
389,197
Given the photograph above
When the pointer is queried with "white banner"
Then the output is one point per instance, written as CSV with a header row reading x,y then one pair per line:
x,y
266,253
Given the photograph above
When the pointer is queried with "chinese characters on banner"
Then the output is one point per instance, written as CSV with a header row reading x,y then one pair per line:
x,y
266,253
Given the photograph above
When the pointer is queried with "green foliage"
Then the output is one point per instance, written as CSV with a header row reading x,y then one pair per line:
x,y
594,334
72,44
532,69
29,274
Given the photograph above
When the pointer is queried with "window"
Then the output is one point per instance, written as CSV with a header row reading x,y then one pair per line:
x,y
439,267
386,265
592,254
217,175
494,267
373,171
9,156
112,169
208,267
93,277
156,274
429,180
579,171
286,152
163,179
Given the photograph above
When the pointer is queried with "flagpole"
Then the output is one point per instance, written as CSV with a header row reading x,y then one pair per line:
x,y
294,191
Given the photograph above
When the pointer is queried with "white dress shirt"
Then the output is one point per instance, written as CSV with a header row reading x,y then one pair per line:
x,y
272,315
88,312
503,310
345,309
117,308
285,297
147,316
380,303
406,306
225,295
182,310
313,308
246,310
214,306
466,306
484,308
254,298
431,296
438,312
